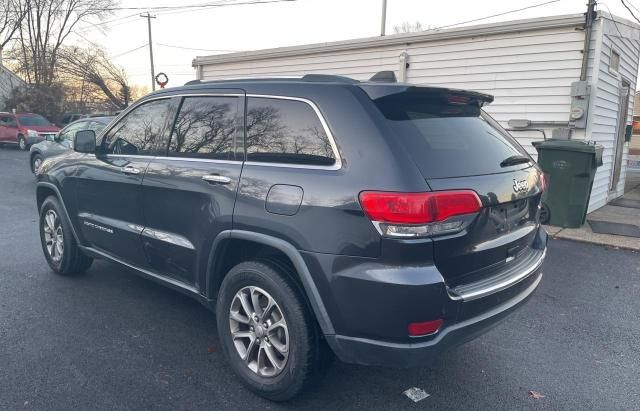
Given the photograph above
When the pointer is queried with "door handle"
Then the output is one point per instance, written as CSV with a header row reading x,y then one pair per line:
x,y
131,170
216,179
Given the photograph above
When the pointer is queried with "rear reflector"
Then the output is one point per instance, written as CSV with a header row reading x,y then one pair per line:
x,y
544,181
425,328
418,208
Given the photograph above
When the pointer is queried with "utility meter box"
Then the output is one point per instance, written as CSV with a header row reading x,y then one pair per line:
x,y
580,91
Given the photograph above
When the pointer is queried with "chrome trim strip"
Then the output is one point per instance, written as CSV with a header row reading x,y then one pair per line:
x,y
325,126
199,160
166,237
502,285
334,146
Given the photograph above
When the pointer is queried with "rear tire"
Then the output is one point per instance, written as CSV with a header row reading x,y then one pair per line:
x,y
275,352
22,143
58,243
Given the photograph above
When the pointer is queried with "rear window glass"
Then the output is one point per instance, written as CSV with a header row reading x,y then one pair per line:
x,y
446,139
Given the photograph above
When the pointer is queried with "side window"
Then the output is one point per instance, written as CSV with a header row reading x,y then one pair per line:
x,y
139,131
205,128
286,131
8,121
69,132
96,126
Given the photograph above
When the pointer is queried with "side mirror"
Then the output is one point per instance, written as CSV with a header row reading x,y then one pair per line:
x,y
85,141
51,137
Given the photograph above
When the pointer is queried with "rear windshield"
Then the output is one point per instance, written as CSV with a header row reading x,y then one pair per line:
x,y
447,138
33,120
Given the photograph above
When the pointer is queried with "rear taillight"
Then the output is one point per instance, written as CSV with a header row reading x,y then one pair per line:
x,y
418,214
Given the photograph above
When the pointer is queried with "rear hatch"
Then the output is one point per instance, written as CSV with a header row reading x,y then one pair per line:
x,y
457,146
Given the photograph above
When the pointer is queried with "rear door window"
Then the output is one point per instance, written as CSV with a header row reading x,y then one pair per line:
x,y
446,137
205,128
287,132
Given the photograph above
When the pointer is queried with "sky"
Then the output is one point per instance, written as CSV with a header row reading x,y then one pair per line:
x,y
180,35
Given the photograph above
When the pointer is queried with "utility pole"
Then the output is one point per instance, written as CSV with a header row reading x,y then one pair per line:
x,y
148,16
383,23
588,28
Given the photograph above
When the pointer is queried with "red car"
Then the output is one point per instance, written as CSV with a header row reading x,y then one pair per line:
x,y
25,129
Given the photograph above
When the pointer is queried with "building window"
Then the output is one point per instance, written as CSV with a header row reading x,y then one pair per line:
x,y
614,62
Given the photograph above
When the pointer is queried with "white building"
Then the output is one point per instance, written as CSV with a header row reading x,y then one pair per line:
x,y
528,65
8,81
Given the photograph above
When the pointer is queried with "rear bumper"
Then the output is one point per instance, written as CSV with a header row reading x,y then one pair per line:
x,y
375,352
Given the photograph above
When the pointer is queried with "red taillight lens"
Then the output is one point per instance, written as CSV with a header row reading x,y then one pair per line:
x,y
425,328
418,208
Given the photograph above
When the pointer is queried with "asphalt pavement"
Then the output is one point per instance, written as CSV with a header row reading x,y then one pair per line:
x,y
112,340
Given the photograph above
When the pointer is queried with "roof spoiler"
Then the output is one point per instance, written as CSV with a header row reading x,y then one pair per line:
x,y
384,77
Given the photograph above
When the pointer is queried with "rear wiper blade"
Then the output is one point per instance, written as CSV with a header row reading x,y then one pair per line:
x,y
514,160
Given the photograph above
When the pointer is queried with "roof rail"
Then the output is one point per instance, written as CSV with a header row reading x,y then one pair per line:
x,y
329,78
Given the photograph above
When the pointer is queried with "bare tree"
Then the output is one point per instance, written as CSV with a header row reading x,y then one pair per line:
x,y
11,17
93,66
46,26
407,27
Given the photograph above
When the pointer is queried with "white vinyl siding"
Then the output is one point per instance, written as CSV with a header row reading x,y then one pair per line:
x,y
529,71
8,81
605,103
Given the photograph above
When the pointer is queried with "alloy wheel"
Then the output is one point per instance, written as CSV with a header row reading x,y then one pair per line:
x,y
259,331
53,235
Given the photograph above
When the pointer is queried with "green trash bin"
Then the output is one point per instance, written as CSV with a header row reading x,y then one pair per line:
x,y
570,166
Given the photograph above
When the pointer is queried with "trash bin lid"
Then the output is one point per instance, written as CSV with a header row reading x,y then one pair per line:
x,y
566,145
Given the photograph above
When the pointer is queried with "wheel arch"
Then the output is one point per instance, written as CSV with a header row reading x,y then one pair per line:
x,y
44,190
229,248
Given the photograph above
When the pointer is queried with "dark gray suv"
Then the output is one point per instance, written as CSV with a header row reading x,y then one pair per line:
x,y
380,222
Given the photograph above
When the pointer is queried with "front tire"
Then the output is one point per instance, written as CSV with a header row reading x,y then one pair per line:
x,y
266,331
22,143
58,244
36,162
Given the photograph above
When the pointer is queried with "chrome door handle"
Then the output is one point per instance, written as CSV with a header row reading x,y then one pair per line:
x,y
131,170
216,179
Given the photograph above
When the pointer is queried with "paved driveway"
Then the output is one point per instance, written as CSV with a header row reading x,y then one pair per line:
x,y
111,340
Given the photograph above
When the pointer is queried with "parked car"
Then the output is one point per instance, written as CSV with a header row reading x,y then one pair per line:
x,y
69,118
25,129
63,141
383,222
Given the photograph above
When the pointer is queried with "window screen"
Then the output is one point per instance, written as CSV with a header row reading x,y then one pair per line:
x,y
205,128
286,131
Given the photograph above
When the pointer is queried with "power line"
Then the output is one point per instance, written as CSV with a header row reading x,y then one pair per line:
x,y
222,3
129,51
178,9
499,14
633,7
196,49
630,11
615,23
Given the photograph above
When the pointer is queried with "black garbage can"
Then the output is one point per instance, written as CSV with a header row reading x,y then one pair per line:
x,y
570,166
